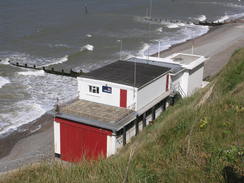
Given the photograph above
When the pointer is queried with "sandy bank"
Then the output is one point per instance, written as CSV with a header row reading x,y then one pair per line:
x,y
218,45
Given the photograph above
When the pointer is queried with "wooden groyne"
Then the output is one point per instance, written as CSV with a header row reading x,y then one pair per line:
x,y
161,20
203,23
49,70
209,23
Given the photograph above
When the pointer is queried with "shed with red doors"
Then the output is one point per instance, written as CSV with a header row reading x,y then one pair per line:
x,y
115,103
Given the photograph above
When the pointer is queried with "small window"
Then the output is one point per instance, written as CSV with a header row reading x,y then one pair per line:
x,y
93,89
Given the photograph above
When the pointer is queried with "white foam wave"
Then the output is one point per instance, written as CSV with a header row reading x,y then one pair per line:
x,y
225,4
222,19
5,61
88,47
236,16
160,29
41,95
175,25
184,34
145,48
88,35
28,112
3,81
201,18
32,73
172,26
57,61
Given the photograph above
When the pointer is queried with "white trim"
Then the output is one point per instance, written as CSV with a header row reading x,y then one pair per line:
x,y
57,138
111,145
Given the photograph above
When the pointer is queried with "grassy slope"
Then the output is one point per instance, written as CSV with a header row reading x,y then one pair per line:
x,y
186,144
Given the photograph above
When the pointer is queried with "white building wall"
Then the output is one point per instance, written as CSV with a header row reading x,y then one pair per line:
x,y
151,92
57,137
184,82
195,80
112,98
111,145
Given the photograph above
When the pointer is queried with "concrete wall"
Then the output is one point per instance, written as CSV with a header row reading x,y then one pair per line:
x,y
112,98
151,92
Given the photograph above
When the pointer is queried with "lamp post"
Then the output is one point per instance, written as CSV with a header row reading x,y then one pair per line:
x,y
120,51
159,48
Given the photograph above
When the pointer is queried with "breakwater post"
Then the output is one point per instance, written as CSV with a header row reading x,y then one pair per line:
x,y
47,70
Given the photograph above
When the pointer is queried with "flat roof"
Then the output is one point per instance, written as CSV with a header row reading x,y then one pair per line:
x,y
184,59
122,72
174,68
96,114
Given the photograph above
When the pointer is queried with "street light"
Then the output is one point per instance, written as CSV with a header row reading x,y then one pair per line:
x,y
120,51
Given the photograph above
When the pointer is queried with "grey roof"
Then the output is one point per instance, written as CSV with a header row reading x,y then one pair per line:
x,y
122,72
174,68
97,115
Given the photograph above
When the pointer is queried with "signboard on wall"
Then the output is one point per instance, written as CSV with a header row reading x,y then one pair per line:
x,y
107,89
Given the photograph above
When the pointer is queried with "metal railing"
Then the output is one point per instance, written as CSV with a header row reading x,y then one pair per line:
x,y
178,89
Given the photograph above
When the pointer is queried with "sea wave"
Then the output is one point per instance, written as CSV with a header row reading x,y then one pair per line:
x,y
222,19
201,18
32,73
28,112
230,5
5,61
88,35
42,93
55,61
3,81
87,47
143,50
182,35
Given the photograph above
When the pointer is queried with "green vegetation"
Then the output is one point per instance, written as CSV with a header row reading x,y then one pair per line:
x,y
191,142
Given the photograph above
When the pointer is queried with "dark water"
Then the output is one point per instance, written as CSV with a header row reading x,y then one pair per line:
x,y
60,31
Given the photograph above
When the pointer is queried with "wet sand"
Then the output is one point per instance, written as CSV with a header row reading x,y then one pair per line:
x,y
23,148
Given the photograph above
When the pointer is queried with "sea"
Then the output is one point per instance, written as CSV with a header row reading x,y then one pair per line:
x,y
84,35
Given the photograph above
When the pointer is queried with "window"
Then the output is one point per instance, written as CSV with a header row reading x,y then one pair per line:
x,y
93,89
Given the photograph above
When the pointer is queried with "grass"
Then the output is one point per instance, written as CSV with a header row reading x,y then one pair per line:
x,y
187,143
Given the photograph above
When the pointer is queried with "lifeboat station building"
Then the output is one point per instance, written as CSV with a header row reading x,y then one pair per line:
x,y
118,100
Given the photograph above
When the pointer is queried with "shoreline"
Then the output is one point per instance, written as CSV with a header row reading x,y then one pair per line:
x,y
19,147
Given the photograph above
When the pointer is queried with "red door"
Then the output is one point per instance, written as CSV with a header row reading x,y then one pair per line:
x,y
78,141
123,98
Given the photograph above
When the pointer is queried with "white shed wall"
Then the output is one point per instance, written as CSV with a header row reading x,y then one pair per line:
x,y
111,145
195,80
112,99
184,82
56,137
151,92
